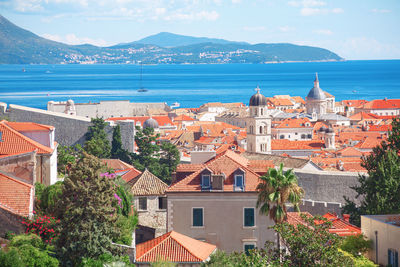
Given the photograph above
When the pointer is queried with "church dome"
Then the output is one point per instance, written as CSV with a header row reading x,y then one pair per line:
x,y
316,92
258,99
150,123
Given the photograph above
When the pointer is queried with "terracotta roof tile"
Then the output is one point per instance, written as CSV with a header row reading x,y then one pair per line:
x,y
226,163
369,143
129,174
183,118
14,142
147,184
15,196
294,123
174,247
284,144
381,104
116,164
29,126
339,226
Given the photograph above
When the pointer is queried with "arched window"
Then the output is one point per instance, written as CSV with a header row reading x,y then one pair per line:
x,y
262,111
261,131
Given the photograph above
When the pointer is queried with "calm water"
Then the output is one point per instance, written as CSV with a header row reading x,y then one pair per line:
x,y
193,85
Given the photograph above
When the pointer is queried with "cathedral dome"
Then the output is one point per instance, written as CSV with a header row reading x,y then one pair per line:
x,y
258,99
150,123
316,92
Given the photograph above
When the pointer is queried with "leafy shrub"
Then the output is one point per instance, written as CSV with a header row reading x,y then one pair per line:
x,y
356,245
27,250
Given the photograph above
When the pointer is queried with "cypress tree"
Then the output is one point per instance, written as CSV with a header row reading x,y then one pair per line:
x,y
88,219
117,152
97,143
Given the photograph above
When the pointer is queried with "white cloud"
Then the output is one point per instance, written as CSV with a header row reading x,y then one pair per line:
x,y
381,10
286,29
253,29
72,39
201,15
314,7
323,32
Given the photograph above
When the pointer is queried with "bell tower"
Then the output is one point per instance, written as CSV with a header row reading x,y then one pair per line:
x,y
258,125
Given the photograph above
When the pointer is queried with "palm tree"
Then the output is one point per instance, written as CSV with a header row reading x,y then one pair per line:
x,y
275,190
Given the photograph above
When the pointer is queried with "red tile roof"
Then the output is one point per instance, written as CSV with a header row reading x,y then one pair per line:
x,y
369,143
16,196
298,99
353,103
349,152
14,142
129,174
183,118
116,164
284,144
381,104
339,226
363,116
226,163
162,120
380,128
294,123
29,126
174,247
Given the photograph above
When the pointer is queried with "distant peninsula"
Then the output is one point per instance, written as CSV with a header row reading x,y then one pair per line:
x,y
19,46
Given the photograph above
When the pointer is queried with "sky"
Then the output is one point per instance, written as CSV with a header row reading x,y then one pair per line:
x,y
354,29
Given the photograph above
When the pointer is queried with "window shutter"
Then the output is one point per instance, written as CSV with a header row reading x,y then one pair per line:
x,y
249,217
197,217
389,256
396,258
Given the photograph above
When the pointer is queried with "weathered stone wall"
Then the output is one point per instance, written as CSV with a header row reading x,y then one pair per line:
x,y
327,186
69,129
152,217
22,165
325,190
10,222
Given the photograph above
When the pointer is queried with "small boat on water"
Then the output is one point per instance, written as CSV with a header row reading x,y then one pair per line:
x,y
23,70
175,105
141,88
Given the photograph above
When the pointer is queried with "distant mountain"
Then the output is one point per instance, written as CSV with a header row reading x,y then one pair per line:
x,y
19,46
166,39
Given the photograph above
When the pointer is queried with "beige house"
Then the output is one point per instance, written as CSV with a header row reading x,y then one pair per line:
x,y
384,231
215,202
151,204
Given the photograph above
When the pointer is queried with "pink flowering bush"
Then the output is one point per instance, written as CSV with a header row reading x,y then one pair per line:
x,y
42,226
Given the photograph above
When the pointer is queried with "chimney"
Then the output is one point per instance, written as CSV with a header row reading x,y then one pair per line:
x,y
346,217
173,177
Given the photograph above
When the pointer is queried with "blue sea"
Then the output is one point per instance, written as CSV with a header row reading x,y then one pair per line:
x,y
193,85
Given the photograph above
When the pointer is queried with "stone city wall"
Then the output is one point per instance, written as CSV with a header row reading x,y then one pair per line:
x,y
107,109
10,222
324,190
69,129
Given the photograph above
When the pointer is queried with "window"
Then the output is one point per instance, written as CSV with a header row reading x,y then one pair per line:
x,y
162,203
261,129
197,217
281,136
238,182
303,136
205,181
142,203
393,257
309,136
249,217
248,247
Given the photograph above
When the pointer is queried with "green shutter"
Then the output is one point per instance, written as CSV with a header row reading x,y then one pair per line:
x,y
248,247
249,217
197,217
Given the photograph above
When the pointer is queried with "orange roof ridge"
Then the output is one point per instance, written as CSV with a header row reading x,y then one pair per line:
x,y
28,126
14,179
41,148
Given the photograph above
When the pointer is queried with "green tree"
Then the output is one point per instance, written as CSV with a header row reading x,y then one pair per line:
x,y
379,191
161,160
170,158
27,250
311,244
254,258
47,197
97,143
87,213
275,190
66,156
117,152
